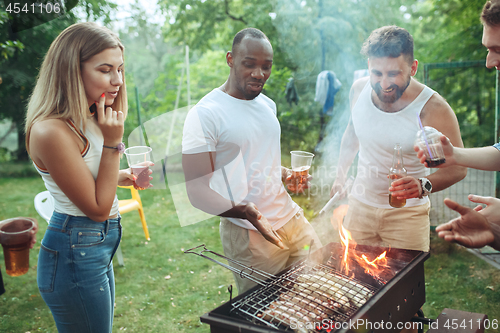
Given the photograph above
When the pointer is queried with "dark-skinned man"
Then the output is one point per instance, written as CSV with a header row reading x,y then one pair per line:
x,y
232,165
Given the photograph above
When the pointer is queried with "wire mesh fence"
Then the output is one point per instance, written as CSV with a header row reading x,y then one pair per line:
x,y
469,88
476,182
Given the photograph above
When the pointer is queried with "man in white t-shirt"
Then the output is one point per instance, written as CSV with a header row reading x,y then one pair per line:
x,y
232,165
385,110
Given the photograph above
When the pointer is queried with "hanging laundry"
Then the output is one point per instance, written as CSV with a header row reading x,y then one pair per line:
x,y
291,92
358,74
327,86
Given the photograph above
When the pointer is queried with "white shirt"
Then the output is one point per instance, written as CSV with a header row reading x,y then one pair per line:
x,y
245,134
91,155
378,132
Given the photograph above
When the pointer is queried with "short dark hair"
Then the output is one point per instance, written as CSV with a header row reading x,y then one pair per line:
x,y
252,32
491,13
389,41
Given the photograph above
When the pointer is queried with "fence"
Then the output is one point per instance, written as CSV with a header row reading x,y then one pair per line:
x,y
472,90
477,182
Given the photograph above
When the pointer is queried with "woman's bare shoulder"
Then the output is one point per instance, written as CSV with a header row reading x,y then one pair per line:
x,y
50,129
49,137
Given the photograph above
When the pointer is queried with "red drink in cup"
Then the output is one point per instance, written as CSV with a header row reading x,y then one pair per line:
x,y
138,159
142,174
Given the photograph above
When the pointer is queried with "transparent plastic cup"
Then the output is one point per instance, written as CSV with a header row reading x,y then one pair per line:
x,y
431,145
15,237
137,158
301,163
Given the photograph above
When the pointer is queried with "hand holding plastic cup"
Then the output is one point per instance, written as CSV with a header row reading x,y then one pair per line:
x,y
430,143
15,237
301,163
138,158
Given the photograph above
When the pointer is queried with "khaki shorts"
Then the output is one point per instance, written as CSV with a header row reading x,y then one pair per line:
x,y
402,228
250,248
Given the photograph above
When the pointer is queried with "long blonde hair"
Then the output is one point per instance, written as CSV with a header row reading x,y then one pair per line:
x,y
59,92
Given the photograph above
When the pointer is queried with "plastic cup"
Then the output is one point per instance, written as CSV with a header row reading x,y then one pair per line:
x,y
137,158
15,237
431,145
301,163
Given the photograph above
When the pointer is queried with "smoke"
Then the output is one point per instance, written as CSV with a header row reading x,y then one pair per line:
x,y
319,36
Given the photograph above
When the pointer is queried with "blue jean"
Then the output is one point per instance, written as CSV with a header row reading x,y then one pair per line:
x,y
75,272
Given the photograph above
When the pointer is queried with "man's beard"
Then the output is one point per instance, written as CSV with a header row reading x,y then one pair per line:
x,y
398,92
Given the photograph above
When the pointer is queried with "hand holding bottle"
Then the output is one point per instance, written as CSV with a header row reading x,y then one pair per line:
x,y
397,171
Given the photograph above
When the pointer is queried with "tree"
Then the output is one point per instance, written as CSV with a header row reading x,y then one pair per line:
x,y
20,69
451,31
307,37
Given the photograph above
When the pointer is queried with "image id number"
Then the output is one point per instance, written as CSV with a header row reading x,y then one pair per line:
x,y
455,324
33,8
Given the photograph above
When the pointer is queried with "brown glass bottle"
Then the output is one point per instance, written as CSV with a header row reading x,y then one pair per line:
x,y
397,171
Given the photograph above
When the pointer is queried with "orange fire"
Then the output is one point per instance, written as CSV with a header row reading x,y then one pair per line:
x,y
373,267
345,238
338,215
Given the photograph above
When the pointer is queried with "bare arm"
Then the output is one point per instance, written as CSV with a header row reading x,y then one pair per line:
x,y
349,145
438,114
198,170
56,148
484,158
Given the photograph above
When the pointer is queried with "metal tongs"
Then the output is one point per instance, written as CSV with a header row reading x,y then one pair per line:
x,y
336,196
244,271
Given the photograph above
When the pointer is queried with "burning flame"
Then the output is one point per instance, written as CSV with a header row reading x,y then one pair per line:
x,y
373,267
345,237
375,264
338,215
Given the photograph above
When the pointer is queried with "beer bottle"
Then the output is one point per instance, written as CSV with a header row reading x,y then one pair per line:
x,y
397,171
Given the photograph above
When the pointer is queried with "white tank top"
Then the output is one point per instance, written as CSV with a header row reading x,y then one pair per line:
x,y
378,132
91,154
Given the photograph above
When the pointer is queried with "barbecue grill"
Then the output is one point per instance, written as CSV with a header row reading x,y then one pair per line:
x,y
364,302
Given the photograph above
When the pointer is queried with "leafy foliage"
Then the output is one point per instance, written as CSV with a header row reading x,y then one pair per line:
x,y
451,31
307,36
20,69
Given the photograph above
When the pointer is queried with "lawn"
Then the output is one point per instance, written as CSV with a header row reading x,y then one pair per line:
x,y
161,289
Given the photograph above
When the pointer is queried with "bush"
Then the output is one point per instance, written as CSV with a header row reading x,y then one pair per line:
x,y
12,169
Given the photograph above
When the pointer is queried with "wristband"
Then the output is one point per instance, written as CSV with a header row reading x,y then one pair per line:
x,y
120,147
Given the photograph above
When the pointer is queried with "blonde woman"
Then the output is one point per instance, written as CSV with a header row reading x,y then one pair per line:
x,y
74,129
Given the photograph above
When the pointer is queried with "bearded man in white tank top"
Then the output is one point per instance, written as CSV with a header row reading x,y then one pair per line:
x,y
384,109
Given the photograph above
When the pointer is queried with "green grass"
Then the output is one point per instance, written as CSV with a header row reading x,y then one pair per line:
x,y
161,289
457,279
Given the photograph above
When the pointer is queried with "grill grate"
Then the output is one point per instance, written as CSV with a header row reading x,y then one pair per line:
x,y
304,298
398,294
